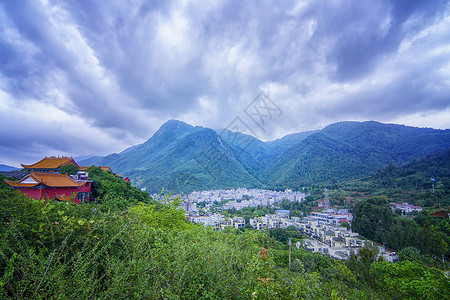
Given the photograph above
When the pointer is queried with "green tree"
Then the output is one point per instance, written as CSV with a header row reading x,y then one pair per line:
x,y
361,261
410,254
69,169
372,218
168,215
410,280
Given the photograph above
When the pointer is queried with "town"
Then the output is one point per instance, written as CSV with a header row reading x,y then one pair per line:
x,y
233,198
328,229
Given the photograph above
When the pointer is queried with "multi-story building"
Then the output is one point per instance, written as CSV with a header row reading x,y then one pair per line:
x,y
45,182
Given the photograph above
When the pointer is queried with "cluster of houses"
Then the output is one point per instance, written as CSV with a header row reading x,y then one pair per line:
x,y
235,198
218,221
43,180
327,235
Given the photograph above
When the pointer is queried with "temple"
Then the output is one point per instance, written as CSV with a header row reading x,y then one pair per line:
x,y
44,181
53,186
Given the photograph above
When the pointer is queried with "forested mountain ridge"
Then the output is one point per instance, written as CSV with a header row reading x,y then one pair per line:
x,y
412,182
182,158
348,150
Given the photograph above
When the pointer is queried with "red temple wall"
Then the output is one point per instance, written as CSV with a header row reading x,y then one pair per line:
x,y
50,193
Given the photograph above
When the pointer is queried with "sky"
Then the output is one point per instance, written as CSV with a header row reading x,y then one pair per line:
x,y
93,77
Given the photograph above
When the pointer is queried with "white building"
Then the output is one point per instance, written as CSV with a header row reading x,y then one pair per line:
x,y
405,207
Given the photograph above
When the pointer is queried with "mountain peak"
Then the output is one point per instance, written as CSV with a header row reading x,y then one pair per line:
x,y
173,122
173,128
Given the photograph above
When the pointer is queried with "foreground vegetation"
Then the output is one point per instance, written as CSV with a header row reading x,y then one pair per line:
x,y
126,246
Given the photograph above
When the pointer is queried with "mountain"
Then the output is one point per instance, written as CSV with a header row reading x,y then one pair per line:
x,y
252,153
348,150
88,160
279,146
182,158
6,168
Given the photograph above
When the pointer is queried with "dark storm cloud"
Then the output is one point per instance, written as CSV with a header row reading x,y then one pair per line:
x,y
105,75
362,32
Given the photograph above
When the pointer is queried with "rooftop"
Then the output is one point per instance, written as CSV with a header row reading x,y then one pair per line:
x,y
50,180
51,162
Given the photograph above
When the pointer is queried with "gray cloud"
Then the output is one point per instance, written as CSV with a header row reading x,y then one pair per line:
x,y
93,77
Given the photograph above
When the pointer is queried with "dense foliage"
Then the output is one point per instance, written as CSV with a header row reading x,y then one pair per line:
x,y
69,169
372,218
113,192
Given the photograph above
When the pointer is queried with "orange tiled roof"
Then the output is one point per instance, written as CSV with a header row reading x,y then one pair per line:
x,y
106,169
51,180
63,197
51,162
19,184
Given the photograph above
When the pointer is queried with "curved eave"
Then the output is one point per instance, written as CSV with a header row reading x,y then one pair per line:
x,y
18,184
63,197
63,186
30,185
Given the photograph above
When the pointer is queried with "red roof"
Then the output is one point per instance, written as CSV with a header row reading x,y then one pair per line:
x,y
441,213
52,162
50,180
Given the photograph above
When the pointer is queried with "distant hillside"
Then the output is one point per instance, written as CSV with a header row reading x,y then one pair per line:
x,y
253,154
348,150
183,158
87,161
417,174
6,168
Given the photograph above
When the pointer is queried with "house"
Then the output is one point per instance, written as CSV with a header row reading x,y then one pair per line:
x,y
124,178
405,207
236,222
53,186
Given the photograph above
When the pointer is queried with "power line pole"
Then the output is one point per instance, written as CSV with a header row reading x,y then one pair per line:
x,y
290,245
